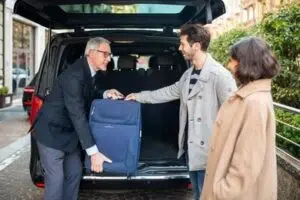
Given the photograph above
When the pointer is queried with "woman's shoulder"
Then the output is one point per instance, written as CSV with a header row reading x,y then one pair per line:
x,y
259,101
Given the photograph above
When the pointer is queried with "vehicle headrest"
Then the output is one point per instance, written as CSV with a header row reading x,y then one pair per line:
x,y
111,65
165,60
127,62
153,63
161,61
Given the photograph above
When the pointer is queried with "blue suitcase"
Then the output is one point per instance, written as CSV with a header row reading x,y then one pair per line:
x,y
116,128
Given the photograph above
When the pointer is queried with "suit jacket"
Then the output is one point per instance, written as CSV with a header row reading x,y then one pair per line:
x,y
200,107
63,119
242,154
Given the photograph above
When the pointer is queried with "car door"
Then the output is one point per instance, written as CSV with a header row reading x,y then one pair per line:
x,y
78,14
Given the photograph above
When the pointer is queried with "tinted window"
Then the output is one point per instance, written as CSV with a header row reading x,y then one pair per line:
x,y
123,9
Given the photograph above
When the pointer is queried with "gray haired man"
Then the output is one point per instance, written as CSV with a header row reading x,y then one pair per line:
x,y
63,123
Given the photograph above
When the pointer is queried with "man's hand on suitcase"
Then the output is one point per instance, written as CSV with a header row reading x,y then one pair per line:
x,y
97,161
114,94
131,96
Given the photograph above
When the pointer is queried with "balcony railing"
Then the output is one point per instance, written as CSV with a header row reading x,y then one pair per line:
x,y
286,132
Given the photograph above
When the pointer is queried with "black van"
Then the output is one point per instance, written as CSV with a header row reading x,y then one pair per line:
x,y
146,57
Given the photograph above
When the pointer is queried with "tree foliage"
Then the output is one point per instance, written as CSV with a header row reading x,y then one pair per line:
x,y
282,31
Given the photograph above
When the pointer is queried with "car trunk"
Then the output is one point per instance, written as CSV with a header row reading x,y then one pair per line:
x,y
77,14
158,154
160,122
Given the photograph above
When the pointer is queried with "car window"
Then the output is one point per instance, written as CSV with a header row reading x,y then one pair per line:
x,y
123,9
18,71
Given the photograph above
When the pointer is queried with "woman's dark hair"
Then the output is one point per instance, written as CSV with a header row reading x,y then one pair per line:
x,y
256,60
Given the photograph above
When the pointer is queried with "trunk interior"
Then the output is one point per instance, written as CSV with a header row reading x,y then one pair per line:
x,y
136,67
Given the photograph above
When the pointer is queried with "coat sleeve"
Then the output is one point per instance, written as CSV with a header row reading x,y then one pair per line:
x,y
248,154
162,95
74,101
225,86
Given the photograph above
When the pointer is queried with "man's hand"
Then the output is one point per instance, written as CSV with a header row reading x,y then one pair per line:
x,y
131,96
114,94
97,161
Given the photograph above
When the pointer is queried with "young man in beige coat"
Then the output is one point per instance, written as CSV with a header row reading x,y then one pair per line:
x,y
201,90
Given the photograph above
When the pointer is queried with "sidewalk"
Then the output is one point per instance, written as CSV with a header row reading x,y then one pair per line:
x,y
14,123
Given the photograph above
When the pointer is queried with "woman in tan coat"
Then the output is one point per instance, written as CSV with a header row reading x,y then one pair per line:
x,y
242,157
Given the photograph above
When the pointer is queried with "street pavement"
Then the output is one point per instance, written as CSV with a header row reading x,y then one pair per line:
x,y
15,181
13,123
14,111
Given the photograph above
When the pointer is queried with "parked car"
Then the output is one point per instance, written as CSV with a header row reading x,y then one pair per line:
x,y
20,77
27,95
158,163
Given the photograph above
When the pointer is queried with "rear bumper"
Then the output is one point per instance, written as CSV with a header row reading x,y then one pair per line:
x,y
136,182
144,172
170,180
181,176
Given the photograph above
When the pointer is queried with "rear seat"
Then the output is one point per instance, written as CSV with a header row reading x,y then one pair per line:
x,y
111,65
127,79
162,72
141,72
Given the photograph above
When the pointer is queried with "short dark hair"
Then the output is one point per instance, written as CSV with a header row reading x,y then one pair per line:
x,y
256,60
196,33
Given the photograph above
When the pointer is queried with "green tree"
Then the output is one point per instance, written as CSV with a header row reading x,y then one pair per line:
x,y
282,31
220,46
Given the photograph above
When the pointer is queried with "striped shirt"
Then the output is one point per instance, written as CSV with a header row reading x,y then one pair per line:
x,y
194,78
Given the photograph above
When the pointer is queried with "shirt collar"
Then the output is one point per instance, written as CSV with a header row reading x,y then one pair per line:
x,y
263,85
93,72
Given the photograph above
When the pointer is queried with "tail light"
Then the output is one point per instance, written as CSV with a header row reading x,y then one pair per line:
x,y
40,184
36,104
29,89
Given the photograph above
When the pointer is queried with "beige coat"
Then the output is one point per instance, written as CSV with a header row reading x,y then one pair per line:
x,y
242,157
200,106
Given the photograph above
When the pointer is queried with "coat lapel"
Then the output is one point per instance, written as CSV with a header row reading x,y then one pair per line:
x,y
204,76
88,86
186,84
87,72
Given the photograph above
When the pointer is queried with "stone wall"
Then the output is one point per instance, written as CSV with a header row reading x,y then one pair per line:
x,y
288,177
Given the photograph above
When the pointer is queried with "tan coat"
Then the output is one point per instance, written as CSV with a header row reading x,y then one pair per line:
x,y
242,157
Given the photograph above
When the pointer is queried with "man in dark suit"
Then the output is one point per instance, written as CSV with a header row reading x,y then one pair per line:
x,y
62,125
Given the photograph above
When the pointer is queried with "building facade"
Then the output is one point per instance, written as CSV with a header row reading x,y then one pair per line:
x,y
244,13
1,44
23,43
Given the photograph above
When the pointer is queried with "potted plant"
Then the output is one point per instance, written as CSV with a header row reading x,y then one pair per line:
x,y
5,98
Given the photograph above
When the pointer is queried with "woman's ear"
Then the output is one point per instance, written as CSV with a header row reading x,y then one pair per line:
x,y
233,65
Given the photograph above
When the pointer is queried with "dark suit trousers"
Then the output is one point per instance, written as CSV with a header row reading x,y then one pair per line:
x,y
63,173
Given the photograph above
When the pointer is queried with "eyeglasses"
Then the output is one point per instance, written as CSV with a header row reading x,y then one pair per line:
x,y
105,53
